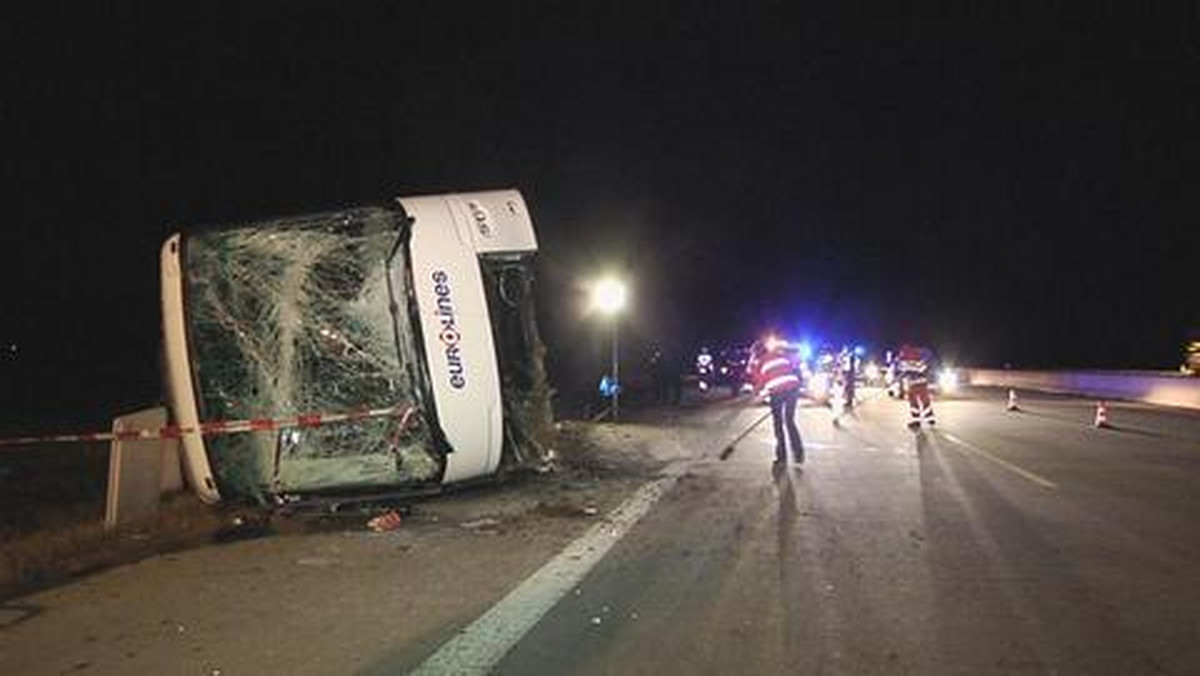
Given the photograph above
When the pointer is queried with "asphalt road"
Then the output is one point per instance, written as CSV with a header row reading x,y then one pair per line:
x,y
998,543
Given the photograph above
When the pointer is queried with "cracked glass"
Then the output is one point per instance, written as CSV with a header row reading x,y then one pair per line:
x,y
303,316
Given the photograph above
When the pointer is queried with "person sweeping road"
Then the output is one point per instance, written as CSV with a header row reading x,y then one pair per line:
x,y
777,377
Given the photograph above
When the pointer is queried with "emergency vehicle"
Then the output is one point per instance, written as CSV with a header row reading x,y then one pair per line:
x,y
943,378
1191,356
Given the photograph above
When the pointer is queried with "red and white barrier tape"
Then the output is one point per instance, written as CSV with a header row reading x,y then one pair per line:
x,y
219,427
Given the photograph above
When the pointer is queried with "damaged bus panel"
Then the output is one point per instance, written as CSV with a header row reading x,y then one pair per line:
x,y
420,311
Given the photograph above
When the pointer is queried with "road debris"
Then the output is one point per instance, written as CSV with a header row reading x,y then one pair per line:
x,y
318,561
242,527
549,462
565,509
479,524
388,521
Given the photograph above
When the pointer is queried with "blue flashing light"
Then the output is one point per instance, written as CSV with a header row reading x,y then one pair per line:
x,y
609,387
805,349
860,350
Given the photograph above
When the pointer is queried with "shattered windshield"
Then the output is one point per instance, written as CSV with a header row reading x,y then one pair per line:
x,y
308,316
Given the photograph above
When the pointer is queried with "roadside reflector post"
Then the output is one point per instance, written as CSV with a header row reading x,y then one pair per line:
x,y
1012,401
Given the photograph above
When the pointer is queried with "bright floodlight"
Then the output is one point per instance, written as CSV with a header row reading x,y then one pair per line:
x,y
608,296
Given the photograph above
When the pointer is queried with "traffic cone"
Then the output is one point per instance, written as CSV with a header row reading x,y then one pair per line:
x,y
1101,414
1012,401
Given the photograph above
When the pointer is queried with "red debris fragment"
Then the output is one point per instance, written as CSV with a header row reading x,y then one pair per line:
x,y
385,522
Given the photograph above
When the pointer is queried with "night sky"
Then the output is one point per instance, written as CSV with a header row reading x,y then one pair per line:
x,y
1013,185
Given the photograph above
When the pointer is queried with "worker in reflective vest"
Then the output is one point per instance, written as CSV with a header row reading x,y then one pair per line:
x,y
914,374
778,378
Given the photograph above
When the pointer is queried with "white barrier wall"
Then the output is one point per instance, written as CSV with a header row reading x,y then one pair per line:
x,y
1152,387
140,471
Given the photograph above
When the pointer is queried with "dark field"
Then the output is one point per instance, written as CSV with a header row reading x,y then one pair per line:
x,y
52,512
51,486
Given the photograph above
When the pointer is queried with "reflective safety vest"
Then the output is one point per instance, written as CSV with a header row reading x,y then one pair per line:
x,y
912,367
777,374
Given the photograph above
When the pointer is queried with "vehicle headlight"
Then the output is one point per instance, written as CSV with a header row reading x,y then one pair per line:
x,y
872,371
948,380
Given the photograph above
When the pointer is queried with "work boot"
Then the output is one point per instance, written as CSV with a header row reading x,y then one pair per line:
x,y
798,457
914,424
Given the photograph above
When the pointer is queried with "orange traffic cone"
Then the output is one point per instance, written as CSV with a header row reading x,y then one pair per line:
x,y
1101,414
1012,401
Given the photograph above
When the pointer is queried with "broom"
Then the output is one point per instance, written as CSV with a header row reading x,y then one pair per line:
x,y
728,450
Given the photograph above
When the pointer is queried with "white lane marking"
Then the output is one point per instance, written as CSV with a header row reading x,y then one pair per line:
x,y
819,444
479,647
1035,478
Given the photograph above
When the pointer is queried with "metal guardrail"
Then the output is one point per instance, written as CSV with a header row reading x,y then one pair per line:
x,y
1165,388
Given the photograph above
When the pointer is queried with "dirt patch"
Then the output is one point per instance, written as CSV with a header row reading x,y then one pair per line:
x,y
51,511
50,487
62,551
55,540
563,509
591,449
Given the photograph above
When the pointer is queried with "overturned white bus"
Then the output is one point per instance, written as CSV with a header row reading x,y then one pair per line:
x,y
423,305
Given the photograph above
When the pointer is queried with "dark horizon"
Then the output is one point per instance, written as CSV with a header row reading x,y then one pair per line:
x,y
1011,187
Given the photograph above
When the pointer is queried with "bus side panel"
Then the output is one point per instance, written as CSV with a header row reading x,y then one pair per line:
x,y
497,221
457,338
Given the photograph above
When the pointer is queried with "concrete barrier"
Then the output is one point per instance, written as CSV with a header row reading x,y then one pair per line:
x,y
140,471
1152,387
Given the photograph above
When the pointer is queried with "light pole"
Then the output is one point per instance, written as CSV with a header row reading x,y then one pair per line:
x,y
608,296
